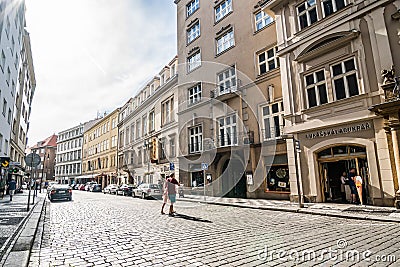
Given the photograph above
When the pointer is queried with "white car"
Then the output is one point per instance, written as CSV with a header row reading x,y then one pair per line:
x,y
147,191
110,189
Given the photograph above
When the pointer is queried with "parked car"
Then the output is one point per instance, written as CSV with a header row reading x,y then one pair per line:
x,y
110,189
60,191
95,188
91,185
75,186
125,189
147,191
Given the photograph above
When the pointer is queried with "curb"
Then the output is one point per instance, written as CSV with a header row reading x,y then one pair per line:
x,y
19,251
339,214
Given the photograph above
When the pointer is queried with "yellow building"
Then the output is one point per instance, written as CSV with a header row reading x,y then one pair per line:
x,y
99,162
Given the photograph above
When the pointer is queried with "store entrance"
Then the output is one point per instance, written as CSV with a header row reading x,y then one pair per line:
x,y
234,179
336,160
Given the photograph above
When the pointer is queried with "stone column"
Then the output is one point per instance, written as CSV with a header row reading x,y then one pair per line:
x,y
395,130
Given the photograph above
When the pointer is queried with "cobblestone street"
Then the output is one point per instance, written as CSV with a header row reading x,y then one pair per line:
x,y
107,230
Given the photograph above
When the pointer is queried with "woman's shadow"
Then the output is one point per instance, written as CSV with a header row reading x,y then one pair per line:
x,y
191,218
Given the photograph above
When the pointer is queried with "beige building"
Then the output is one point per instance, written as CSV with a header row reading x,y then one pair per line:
x,y
331,54
230,100
148,130
99,159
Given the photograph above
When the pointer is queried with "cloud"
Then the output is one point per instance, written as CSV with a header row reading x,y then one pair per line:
x,y
93,55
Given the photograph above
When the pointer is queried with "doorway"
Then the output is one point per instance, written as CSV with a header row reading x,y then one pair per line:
x,y
234,179
336,160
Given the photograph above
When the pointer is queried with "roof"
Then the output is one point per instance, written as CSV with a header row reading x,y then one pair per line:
x,y
49,141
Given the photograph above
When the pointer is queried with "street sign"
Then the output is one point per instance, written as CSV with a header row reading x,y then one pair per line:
x,y
171,166
5,161
204,166
32,160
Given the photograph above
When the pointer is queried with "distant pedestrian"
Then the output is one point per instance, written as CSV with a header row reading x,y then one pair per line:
x,y
165,194
359,183
2,187
352,184
345,188
12,185
171,188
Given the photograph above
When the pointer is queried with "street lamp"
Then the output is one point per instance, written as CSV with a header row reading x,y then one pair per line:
x,y
297,151
44,162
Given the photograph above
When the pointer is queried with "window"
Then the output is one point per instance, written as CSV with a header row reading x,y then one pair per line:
x,y
225,41
223,9
194,61
193,32
3,60
144,125
172,152
139,157
227,81
9,116
267,60
272,117
316,89
262,19
344,76
331,6
227,131
194,94
151,121
132,132
127,136
137,128
167,111
307,13
1,141
192,7
4,107
172,73
6,147
161,148
195,139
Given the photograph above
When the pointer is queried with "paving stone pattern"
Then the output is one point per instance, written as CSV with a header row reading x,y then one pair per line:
x,y
106,230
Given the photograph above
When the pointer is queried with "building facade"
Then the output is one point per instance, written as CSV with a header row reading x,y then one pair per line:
x,y
99,159
331,56
23,101
12,23
230,100
148,130
47,150
69,155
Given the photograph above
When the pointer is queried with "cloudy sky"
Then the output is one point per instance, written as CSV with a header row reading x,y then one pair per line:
x,y
91,56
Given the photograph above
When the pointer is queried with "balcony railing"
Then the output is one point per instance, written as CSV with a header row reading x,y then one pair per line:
x,y
272,133
195,147
217,92
235,139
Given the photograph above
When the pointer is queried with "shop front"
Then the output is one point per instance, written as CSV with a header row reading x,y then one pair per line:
x,y
328,153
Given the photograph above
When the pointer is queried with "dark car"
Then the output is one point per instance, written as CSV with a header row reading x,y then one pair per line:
x,y
95,188
125,190
60,191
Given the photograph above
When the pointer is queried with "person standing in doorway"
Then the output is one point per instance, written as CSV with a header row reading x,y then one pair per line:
x,y
352,184
171,186
345,189
359,182
12,185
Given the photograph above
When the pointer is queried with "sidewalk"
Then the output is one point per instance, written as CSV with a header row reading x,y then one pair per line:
x,y
350,211
18,227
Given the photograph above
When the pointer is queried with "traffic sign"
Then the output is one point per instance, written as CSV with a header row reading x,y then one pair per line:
x,y
5,161
171,166
204,166
32,160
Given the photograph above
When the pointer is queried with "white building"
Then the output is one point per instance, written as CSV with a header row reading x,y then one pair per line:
x,y
12,22
148,130
69,154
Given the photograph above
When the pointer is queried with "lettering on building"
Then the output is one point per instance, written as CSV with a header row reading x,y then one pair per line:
x,y
338,131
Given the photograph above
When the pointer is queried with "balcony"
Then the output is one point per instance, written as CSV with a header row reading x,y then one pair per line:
x,y
236,139
223,94
272,133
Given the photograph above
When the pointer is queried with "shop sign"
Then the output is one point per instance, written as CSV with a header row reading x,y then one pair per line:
x,y
338,131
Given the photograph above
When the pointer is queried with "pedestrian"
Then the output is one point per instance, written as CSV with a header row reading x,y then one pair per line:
x,y
344,187
2,187
171,188
352,184
359,182
12,185
165,193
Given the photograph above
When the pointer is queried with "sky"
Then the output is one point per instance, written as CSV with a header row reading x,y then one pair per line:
x,y
91,56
